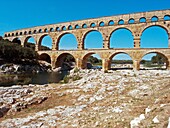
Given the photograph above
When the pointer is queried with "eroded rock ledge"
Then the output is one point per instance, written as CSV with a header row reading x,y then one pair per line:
x,y
16,98
122,99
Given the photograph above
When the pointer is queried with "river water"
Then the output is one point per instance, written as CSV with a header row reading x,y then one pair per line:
x,y
40,78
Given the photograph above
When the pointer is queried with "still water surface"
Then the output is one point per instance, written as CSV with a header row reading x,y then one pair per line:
x,y
40,78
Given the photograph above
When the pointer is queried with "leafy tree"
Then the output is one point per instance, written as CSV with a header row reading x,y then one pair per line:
x,y
143,61
69,58
1,38
159,59
32,46
122,61
13,52
93,60
45,48
154,59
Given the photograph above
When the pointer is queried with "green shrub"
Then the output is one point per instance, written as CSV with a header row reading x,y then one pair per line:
x,y
13,52
76,77
66,79
76,70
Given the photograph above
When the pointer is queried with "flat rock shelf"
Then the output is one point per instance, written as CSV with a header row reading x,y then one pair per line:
x,y
90,98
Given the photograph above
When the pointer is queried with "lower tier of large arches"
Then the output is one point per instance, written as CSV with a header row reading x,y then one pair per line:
x,y
133,59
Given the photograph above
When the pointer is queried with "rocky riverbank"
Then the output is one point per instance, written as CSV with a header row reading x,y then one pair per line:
x,y
11,68
91,98
11,73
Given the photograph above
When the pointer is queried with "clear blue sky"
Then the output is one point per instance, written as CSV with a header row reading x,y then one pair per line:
x,y
17,14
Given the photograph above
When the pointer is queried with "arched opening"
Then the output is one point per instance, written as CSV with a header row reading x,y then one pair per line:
x,y
92,25
29,32
154,19
45,43
20,33
25,33
121,38
154,61
154,37
51,29
121,22
70,27
92,61
65,61
67,41
84,26
64,28
46,30
111,22
35,31
57,29
120,61
40,31
142,20
167,17
45,57
93,40
101,24
77,26
131,21
30,42
12,34
16,34
17,41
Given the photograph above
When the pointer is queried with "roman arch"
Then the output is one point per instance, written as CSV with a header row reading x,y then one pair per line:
x,y
136,23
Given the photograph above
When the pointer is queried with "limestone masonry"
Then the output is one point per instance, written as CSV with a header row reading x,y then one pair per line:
x,y
136,23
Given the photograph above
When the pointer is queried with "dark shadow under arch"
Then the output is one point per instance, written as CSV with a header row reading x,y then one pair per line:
x,y
17,41
45,57
87,62
66,61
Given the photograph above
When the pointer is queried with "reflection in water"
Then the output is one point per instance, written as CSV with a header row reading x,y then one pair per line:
x,y
45,78
40,78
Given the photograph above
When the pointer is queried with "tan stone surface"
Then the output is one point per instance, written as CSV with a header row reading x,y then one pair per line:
x,y
80,33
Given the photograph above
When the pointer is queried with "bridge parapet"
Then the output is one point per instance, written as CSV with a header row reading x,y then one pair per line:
x,y
79,24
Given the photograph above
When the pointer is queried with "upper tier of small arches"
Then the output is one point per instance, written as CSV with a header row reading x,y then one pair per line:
x,y
88,24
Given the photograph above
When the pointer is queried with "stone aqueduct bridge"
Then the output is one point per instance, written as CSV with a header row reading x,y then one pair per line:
x,y
136,23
